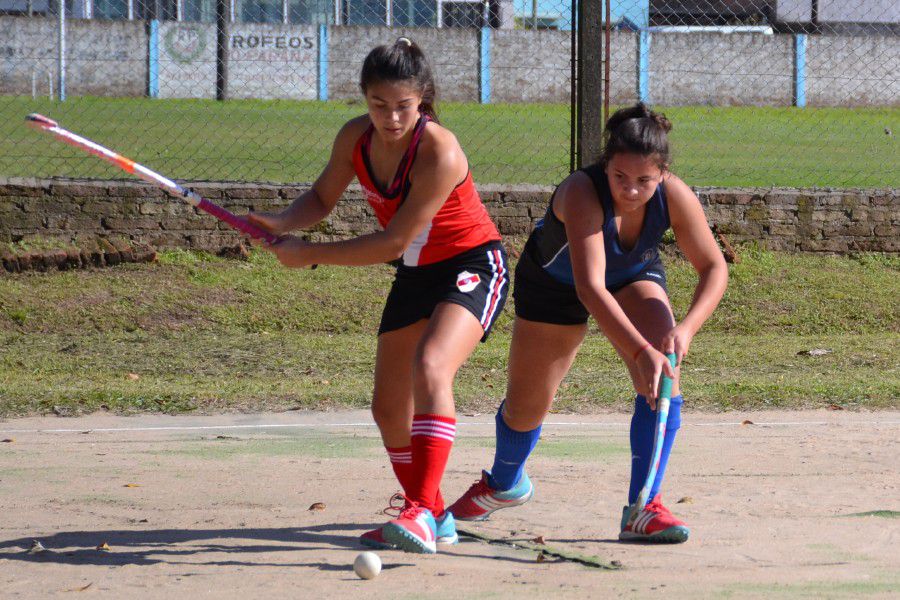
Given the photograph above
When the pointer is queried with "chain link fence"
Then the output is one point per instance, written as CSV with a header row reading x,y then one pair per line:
x,y
770,92
256,90
761,92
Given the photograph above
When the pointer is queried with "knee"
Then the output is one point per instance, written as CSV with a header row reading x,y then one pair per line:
x,y
430,370
388,414
520,416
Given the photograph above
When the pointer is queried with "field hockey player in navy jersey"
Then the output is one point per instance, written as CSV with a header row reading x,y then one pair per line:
x,y
595,254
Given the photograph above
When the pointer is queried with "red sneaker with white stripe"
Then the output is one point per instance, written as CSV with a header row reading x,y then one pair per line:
x,y
414,530
655,523
481,499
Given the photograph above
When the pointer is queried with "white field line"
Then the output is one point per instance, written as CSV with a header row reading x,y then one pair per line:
x,y
584,424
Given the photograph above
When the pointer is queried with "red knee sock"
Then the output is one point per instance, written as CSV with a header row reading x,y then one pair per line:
x,y
432,439
401,461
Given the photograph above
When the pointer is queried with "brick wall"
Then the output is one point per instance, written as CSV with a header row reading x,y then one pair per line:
x,y
795,220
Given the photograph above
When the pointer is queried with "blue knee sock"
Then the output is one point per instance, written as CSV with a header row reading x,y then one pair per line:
x,y
513,448
643,430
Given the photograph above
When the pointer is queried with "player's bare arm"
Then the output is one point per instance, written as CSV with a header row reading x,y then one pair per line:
x,y
694,238
577,206
313,205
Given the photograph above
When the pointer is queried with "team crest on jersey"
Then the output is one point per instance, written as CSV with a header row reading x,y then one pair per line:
x,y
647,255
372,197
466,282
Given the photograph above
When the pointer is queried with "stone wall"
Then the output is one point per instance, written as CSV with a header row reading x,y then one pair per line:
x,y
794,220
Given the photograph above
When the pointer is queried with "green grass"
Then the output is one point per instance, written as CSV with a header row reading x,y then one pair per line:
x,y
884,514
289,141
208,334
334,446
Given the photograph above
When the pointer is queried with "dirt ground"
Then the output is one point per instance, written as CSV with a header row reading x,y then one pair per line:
x,y
795,505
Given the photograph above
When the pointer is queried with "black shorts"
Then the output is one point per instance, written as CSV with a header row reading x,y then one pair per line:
x,y
539,297
477,279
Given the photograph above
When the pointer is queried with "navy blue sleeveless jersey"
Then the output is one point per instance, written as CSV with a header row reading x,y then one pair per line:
x,y
548,245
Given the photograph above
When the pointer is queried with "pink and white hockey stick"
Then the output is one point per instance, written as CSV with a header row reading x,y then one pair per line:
x,y
49,125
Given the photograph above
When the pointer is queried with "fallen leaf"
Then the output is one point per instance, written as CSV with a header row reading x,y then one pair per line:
x,y
104,547
815,352
317,506
835,407
616,563
132,485
747,422
80,589
8,441
539,540
686,500
133,376
36,547
541,557
325,382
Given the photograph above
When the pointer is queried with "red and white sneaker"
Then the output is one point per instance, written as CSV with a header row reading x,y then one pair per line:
x,y
653,524
481,499
414,530
375,539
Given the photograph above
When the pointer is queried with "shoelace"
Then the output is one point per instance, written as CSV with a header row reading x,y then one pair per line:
x,y
396,505
479,487
657,507
411,511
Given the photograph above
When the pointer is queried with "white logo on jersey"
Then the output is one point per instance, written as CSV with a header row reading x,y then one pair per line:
x,y
648,254
372,197
466,282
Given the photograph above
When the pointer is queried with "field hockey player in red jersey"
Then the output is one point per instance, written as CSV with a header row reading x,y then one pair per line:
x,y
449,288
595,254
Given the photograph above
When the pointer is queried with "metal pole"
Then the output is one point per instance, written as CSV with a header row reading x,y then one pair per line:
x,y
590,82
61,59
285,12
30,7
573,89
606,60
131,10
534,4
388,13
221,50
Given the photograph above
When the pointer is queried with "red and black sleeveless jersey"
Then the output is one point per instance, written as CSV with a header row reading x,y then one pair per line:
x,y
462,223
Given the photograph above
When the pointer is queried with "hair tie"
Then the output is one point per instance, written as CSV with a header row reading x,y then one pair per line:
x,y
406,41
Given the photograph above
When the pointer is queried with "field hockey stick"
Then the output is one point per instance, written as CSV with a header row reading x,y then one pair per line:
x,y
129,166
662,416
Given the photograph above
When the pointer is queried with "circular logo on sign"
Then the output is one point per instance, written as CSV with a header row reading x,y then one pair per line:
x,y
184,43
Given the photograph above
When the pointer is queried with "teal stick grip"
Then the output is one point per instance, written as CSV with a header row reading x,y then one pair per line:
x,y
665,384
